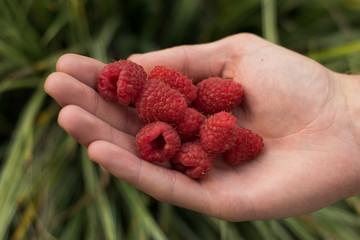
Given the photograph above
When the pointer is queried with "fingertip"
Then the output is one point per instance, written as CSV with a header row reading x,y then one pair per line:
x,y
146,60
94,149
49,83
134,56
56,86
62,62
65,116
195,61
118,161
103,152
82,68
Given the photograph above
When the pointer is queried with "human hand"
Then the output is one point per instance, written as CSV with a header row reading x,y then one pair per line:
x,y
304,112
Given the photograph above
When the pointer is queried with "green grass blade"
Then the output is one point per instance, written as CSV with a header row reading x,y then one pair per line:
x,y
226,229
16,84
12,53
137,207
22,34
299,228
73,229
339,216
280,231
54,28
269,21
99,46
336,51
337,223
103,207
264,230
11,176
183,13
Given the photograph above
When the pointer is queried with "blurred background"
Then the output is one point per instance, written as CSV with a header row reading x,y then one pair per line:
x,y
49,189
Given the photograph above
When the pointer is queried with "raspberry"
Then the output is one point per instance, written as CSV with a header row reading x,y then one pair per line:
x,y
218,94
193,160
189,124
175,80
218,133
121,81
247,146
158,102
157,142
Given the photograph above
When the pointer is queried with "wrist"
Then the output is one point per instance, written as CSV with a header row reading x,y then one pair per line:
x,y
351,93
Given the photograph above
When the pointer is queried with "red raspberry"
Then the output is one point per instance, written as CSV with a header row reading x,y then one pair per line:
x,y
189,124
175,80
157,142
193,160
218,133
218,94
158,102
121,81
247,146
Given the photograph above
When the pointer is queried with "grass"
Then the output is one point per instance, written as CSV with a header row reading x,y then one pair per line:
x,y
49,189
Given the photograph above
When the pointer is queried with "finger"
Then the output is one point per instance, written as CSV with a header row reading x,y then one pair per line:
x,y
86,128
161,183
196,61
66,90
83,68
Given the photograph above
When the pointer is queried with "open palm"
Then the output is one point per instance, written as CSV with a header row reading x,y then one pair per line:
x,y
296,104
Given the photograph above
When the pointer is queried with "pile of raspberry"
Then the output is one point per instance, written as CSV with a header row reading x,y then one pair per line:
x,y
186,124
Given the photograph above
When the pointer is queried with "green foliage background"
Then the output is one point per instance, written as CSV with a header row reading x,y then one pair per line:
x,y
49,189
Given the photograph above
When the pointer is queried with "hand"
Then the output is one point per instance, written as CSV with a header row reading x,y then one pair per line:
x,y
304,112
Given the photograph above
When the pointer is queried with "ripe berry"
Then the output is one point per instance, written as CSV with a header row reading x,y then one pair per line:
x,y
193,160
175,80
248,145
121,81
218,133
218,94
158,102
188,125
157,142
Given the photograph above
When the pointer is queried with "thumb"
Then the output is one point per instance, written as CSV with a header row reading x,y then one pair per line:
x,y
196,61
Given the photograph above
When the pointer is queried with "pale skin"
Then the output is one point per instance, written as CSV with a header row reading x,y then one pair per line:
x,y
308,116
